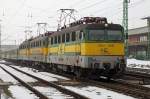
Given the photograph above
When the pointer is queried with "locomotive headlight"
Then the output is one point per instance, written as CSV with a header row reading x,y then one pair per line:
x,y
106,25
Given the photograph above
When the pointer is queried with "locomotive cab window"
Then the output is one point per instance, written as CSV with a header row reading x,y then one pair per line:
x,y
114,35
96,35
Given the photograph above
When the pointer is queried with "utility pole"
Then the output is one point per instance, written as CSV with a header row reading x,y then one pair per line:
x,y
125,24
148,37
0,35
28,32
66,16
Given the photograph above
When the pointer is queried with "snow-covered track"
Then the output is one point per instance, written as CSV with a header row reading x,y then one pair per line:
x,y
138,74
62,89
134,90
35,91
139,70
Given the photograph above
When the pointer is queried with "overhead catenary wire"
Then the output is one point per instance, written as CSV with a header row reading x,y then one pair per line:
x,y
89,6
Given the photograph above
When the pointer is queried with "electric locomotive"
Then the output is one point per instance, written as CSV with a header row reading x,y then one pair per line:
x,y
90,46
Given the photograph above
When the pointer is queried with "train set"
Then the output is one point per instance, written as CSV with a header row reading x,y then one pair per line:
x,y
89,46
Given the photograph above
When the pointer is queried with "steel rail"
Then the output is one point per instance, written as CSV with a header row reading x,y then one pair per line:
x,y
62,89
36,92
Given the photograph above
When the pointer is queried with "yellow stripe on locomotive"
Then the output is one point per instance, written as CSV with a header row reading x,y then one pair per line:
x,y
92,49
39,51
89,49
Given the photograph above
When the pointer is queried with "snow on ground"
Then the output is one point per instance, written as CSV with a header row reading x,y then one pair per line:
x,y
98,93
43,75
134,63
52,93
6,77
2,61
18,74
21,93
147,86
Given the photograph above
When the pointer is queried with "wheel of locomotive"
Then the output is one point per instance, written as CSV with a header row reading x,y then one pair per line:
x,y
80,73
54,68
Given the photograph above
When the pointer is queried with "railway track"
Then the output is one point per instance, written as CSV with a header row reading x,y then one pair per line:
x,y
138,74
120,86
142,78
36,92
116,85
139,70
62,89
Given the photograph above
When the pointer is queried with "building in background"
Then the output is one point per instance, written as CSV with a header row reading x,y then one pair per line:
x,y
137,42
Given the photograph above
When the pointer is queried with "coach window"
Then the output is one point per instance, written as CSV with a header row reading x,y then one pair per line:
x,y
59,40
55,39
39,43
73,36
52,40
33,44
63,38
36,44
43,43
67,37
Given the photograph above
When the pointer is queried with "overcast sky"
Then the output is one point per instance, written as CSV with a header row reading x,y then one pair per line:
x,y
17,14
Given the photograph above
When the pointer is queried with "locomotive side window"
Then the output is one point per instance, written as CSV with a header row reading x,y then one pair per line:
x,y
59,39
33,44
40,43
36,43
44,42
81,35
67,37
52,40
63,38
73,36
55,40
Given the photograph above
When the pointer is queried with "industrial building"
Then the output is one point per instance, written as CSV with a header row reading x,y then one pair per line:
x,y
138,42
